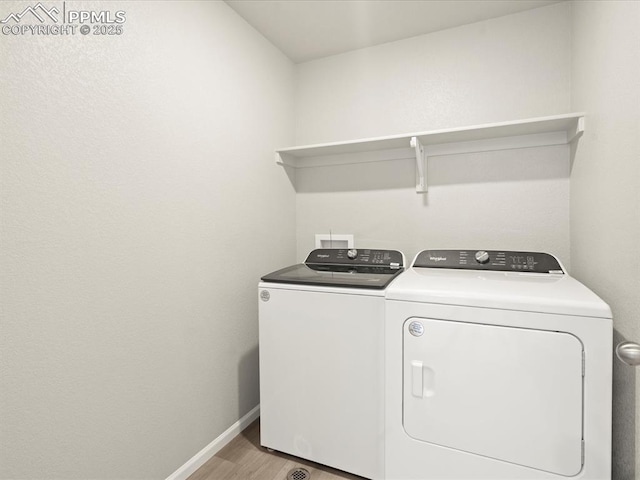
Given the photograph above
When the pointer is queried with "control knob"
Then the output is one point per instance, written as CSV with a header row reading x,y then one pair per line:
x,y
352,253
482,257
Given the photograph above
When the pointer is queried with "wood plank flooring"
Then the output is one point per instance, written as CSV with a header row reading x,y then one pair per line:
x,y
244,459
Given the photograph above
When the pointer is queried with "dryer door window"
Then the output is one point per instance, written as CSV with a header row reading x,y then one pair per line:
x,y
512,394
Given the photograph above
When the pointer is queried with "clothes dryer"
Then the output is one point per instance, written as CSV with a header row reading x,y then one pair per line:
x,y
498,366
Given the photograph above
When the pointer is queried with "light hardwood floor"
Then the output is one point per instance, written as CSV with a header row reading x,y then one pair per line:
x,y
244,459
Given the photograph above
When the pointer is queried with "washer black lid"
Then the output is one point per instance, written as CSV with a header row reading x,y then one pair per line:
x,y
368,268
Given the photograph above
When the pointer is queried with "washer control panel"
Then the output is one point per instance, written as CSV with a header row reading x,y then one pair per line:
x,y
497,260
352,256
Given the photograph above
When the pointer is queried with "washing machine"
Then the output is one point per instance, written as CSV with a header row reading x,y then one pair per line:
x,y
321,343
498,366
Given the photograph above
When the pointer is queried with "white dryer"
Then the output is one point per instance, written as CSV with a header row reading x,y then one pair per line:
x,y
498,366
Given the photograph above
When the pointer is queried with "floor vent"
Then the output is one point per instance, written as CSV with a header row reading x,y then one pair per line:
x,y
298,474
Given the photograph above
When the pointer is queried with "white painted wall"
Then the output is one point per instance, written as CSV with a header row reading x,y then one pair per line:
x,y
137,177
514,67
605,192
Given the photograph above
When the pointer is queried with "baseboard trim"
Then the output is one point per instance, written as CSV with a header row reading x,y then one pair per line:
x,y
200,458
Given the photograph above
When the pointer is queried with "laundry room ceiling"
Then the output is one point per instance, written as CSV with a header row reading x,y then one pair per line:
x,y
309,29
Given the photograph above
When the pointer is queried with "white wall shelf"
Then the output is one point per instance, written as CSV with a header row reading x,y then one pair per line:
x,y
533,132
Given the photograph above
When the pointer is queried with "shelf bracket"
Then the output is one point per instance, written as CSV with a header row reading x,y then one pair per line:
x,y
576,131
421,165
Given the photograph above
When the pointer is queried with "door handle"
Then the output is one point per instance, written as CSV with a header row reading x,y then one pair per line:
x,y
629,353
422,380
417,387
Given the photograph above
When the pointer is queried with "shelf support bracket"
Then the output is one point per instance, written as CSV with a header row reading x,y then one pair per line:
x,y
421,165
576,131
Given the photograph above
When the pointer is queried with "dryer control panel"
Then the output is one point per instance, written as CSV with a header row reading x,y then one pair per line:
x,y
496,260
